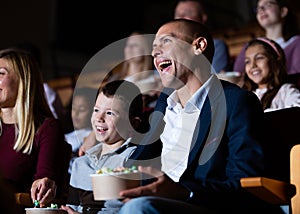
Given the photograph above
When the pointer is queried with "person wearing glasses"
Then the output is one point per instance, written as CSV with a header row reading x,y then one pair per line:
x,y
280,24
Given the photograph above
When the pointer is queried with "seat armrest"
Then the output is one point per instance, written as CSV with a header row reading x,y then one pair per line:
x,y
269,190
23,199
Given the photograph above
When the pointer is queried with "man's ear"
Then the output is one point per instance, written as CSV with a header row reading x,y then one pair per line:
x,y
200,45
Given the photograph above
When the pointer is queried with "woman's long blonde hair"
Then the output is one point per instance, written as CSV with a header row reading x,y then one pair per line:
x,y
31,107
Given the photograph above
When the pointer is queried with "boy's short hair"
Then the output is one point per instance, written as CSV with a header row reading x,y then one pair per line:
x,y
126,91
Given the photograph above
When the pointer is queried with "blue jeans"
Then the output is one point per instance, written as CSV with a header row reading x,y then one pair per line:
x,y
157,205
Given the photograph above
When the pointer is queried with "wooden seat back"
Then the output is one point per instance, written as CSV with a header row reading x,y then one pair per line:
x,y
295,178
281,134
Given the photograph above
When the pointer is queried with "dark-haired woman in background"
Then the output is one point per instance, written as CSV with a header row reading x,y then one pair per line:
x,y
266,75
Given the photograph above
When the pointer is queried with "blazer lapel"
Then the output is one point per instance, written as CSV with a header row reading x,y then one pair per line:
x,y
211,124
201,131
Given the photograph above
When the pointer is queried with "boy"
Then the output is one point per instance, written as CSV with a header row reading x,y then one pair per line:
x,y
115,118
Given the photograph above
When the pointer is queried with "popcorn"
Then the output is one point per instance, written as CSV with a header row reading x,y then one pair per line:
x,y
121,169
53,206
36,203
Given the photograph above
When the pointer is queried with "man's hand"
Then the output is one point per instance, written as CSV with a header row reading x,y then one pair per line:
x,y
163,187
69,209
43,190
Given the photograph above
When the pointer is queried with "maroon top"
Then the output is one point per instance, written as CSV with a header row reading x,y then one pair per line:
x,y
49,156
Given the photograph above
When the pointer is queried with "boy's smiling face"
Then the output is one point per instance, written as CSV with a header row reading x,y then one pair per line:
x,y
110,120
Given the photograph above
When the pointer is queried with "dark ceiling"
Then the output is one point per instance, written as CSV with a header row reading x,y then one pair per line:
x,y
84,27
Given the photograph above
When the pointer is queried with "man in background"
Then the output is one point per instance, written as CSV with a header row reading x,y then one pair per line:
x,y
195,10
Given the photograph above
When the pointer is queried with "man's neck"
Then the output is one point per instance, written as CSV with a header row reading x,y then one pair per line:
x,y
187,91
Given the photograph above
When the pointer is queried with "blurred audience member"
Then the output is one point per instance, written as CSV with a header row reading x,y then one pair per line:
x,y
54,102
195,10
280,24
266,75
138,67
81,112
33,153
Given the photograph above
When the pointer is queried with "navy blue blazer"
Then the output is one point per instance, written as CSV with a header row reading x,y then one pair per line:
x,y
218,159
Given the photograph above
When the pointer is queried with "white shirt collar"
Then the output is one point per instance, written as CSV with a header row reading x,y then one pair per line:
x,y
195,101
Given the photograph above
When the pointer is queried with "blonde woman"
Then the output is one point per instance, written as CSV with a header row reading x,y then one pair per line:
x,y
32,147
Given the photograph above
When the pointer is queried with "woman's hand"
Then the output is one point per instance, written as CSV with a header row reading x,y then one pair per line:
x,y
163,186
43,190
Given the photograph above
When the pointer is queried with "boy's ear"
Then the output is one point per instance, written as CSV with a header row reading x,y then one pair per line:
x,y
200,45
